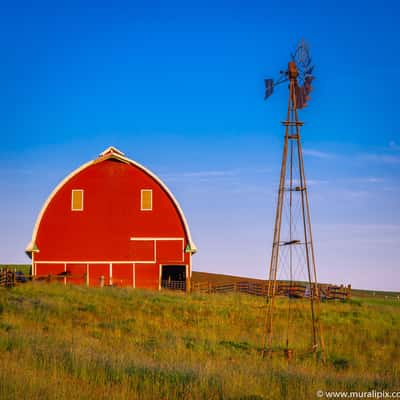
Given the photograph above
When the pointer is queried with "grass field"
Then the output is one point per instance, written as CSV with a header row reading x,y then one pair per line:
x,y
73,342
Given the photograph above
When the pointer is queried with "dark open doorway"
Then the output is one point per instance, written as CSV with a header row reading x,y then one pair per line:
x,y
173,277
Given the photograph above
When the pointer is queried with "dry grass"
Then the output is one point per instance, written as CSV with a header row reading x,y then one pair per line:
x,y
73,342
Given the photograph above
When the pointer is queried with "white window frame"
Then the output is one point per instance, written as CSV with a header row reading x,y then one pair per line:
x,y
72,199
141,200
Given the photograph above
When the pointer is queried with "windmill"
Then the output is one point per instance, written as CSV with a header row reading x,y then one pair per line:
x,y
293,258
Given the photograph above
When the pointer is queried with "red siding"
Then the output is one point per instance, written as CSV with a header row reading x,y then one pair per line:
x,y
96,271
77,273
147,276
122,275
143,250
170,251
49,269
111,215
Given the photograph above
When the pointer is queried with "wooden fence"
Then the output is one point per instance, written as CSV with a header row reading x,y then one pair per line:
x,y
7,278
294,290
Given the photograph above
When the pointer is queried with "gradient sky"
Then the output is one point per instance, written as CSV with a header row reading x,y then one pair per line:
x,y
178,86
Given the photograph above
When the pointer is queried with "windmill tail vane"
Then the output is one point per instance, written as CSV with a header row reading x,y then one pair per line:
x,y
271,83
269,88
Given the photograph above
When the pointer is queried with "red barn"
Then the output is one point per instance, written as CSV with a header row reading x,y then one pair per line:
x,y
112,221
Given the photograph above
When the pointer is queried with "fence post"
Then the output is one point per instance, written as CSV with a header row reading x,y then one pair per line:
x,y
188,286
102,281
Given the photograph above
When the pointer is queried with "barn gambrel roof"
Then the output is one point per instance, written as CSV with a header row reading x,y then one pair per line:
x,y
110,152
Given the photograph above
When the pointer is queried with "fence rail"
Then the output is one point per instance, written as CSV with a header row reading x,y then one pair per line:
x,y
295,290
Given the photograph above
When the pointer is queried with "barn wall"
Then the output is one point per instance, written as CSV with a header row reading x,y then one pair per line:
x,y
111,236
111,216
95,274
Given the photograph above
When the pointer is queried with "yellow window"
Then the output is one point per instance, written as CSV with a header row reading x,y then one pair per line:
x,y
146,202
77,200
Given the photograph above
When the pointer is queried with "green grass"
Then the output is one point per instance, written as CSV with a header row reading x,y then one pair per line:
x,y
73,342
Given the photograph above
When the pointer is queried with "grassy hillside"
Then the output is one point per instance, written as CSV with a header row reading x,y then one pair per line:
x,y
61,342
198,276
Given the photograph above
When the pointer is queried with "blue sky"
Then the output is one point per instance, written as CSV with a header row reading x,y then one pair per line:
x,y
178,86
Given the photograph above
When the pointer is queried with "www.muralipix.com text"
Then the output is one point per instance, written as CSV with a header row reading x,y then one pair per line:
x,y
372,394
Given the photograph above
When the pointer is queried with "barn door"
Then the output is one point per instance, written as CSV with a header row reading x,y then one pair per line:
x,y
173,277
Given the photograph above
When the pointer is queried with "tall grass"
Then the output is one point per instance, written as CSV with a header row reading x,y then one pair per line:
x,y
73,342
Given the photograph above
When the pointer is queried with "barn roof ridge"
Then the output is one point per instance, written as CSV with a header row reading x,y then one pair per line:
x,y
110,152
112,149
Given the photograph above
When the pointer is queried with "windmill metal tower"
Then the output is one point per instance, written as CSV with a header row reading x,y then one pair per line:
x,y
293,259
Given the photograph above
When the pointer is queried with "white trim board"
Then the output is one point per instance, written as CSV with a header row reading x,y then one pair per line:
x,y
156,238
94,262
